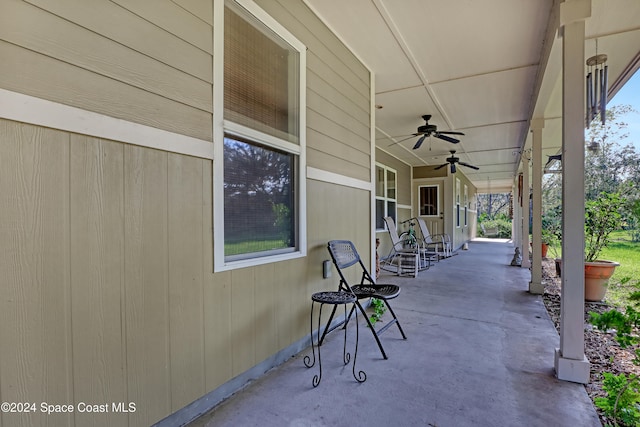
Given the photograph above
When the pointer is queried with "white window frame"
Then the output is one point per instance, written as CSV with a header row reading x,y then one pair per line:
x,y
457,204
384,197
466,205
221,126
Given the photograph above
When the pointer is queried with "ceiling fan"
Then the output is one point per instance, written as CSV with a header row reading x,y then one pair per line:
x,y
432,130
453,160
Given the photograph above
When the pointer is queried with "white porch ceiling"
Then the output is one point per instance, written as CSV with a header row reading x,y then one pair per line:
x,y
485,68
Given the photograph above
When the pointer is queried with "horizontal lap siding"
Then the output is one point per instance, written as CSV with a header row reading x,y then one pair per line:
x,y
338,98
101,56
107,246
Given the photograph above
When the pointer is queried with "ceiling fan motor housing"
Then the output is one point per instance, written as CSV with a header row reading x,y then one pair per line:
x,y
426,129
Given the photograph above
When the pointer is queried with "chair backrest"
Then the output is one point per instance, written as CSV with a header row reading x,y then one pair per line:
x,y
344,255
393,232
426,236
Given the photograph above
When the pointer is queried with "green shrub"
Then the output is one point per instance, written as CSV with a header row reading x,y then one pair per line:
x,y
623,395
502,224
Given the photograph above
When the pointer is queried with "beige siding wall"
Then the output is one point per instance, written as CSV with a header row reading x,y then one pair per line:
x,y
108,290
146,62
338,99
106,247
404,209
463,233
404,176
429,172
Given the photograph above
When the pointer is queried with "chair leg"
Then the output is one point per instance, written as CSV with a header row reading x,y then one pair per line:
x,y
373,331
395,318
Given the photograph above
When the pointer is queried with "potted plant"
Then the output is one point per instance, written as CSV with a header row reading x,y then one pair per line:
x,y
602,216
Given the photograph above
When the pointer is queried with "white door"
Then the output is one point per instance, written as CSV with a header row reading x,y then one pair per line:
x,y
430,205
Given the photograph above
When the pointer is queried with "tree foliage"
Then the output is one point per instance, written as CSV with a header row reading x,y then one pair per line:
x,y
492,206
611,166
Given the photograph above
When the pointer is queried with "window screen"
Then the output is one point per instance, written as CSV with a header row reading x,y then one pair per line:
x,y
260,77
259,199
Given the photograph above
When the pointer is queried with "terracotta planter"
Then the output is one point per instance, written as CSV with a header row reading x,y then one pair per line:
x,y
596,278
545,248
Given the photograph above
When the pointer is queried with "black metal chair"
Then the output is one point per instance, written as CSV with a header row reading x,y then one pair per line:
x,y
345,255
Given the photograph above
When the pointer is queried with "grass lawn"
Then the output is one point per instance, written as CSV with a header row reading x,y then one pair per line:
x,y
251,246
627,277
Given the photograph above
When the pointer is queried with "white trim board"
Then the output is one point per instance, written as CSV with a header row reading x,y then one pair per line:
x,y
37,111
334,178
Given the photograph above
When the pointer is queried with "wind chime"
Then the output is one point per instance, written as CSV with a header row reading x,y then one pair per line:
x,y
597,83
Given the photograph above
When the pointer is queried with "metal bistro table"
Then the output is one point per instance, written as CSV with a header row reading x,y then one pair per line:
x,y
335,299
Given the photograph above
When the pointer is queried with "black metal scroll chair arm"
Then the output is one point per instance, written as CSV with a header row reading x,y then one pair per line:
x,y
344,256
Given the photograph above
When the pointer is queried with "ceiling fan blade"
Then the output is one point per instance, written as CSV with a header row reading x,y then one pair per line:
x,y
447,138
453,168
469,166
440,167
452,133
404,139
419,143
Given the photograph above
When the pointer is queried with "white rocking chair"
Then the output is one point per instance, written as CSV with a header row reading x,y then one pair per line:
x,y
405,256
439,243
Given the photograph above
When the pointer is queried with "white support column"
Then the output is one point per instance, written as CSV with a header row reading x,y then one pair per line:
x,y
536,286
526,263
570,361
516,227
517,217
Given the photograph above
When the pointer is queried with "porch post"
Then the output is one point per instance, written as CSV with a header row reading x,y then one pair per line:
x,y
536,286
570,361
517,217
526,263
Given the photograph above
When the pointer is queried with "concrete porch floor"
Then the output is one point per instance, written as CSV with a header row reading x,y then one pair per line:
x,y
479,353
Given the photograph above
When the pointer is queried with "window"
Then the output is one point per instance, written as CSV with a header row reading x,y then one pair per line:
x,y
385,195
457,202
429,200
259,185
466,205
259,200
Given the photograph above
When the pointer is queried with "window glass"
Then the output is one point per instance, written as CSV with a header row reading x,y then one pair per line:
x,y
380,214
385,195
391,210
391,184
259,199
379,181
428,199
